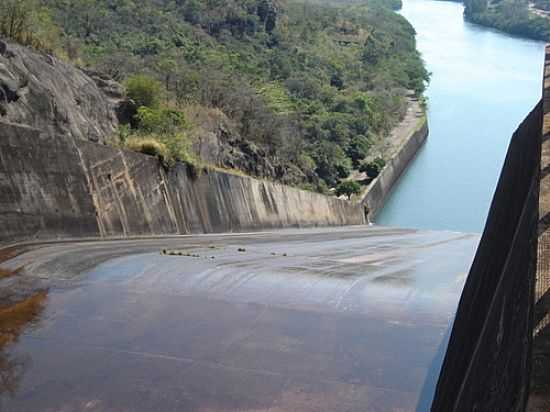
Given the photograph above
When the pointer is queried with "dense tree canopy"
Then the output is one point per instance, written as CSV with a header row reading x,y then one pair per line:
x,y
313,83
512,16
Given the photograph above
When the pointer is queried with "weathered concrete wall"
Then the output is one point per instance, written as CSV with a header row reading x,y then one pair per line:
x,y
380,188
50,187
43,190
488,361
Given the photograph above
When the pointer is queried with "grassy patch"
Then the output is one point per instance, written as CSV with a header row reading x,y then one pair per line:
x,y
229,171
148,146
277,97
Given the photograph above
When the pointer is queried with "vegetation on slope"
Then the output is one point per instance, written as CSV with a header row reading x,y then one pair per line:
x,y
520,17
310,85
29,23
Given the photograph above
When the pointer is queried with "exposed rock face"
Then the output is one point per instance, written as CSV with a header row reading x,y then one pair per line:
x,y
44,92
217,141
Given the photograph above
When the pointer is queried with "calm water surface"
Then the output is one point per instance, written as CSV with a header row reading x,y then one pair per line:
x,y
483,84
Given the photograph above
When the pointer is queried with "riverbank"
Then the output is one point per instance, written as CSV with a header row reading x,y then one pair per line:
x,y
523,19
480,90
404,142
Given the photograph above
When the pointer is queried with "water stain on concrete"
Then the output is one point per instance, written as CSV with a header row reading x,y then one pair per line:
x,y
14,319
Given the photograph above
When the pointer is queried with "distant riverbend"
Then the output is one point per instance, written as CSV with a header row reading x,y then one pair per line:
x,y
483,84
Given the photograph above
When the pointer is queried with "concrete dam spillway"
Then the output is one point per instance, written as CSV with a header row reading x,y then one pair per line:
x,y
237,322
292,320
124,286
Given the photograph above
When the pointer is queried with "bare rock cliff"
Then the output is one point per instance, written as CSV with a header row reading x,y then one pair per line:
x,y
44,92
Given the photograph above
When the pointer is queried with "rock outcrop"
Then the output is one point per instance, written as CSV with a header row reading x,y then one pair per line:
x,y
58,99
44,92
216,140
41,91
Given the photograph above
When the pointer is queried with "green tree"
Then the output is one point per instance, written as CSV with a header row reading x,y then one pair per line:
x,y
162,120
358,149
332,163
144,90
475,6
376,48
161,132
348,188
373,169
192,11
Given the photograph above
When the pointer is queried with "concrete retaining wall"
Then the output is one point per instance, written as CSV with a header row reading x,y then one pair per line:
x,y
380,188
51,189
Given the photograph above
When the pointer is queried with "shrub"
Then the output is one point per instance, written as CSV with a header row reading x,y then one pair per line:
x,y
123,133
336,81
358,149
332,163
149,146
144,90
161,132
381,163
161,121
179,147
344,168
306,163
348,188
194,169
169,148
373,169
308,187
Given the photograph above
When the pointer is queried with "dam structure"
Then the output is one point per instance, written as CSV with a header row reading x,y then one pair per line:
x,y
126,286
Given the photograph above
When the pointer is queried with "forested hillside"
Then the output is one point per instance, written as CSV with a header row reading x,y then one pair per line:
x,y
290,90
520,17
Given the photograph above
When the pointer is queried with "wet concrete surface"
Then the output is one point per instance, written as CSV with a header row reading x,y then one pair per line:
x,y
352,319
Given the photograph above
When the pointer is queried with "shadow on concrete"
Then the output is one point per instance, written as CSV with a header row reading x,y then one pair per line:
x,y
428,388
542,311
540,375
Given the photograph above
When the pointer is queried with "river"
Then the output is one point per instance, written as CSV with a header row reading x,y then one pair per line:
x,y
483,84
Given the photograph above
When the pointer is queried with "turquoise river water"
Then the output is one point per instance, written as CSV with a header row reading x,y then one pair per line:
x,y
483,84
